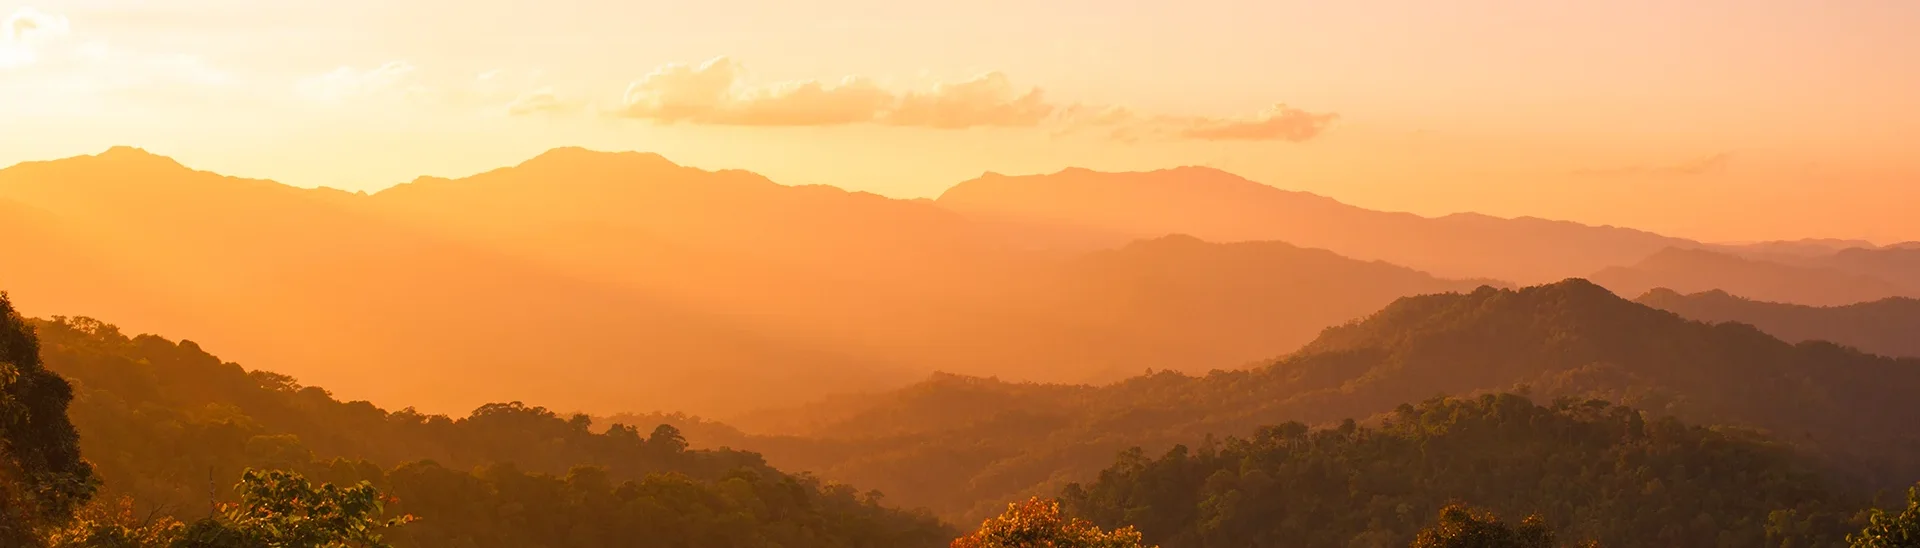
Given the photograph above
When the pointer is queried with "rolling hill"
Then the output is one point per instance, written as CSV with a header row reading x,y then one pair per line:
x,y
961,444
653,283
1888,327
158,420
1694,270
1218,206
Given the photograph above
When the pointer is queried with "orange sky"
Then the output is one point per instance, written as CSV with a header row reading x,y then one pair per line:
x,y
1714,119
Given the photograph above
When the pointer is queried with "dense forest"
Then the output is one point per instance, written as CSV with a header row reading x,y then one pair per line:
x,y
167,427
993,441
1591,470
1240,465
1887,327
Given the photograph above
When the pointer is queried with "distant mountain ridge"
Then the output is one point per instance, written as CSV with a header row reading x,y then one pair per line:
x,y
1888,327
1219,206
706,291
1568,339
1846,277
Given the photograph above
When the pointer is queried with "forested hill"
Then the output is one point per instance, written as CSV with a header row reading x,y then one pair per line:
x,y
1575,338
1888,327
980,441
159,420
1592,471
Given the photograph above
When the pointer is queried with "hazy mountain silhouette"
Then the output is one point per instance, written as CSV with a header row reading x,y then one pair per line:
x,y
601,279
974,440
1694,270
1219,206
1888,327
1790,251
339,294
1899,264
1184,304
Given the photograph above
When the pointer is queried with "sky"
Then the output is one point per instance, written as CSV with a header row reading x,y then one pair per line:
x,y
1713,119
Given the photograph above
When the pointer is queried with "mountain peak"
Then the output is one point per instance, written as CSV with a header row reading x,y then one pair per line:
x,y
120,162
130,155
578,157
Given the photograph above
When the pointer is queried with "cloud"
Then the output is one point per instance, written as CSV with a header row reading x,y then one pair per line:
x,y
812,103
27,23
1692,168
49,61
1280,123
350,83
678,92
540,101
715,93
24,32
989,100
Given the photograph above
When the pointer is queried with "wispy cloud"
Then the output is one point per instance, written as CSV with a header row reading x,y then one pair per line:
x,y
714,93
1697,167
1279,123
346,83
541,101
51,59
989,100
717,93
25,30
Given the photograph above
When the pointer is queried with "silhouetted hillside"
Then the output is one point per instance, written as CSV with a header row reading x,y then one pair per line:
x,y
1791,250
1218,206
1896,264
1888,327
604,279
1692,270
331,290
159,420
978,440
1592,471
1184,304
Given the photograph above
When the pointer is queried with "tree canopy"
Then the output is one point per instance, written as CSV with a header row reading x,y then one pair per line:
x,y
1037,523
42,477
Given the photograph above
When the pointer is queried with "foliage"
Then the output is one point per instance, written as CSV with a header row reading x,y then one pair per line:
x,y
1461,526
282,509
1886,530
963,445
42,478
1592,470
1037,523
112,525
508,475
1883,327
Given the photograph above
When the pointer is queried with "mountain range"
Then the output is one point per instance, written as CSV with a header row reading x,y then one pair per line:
x,y
1832,278
1218,206
958,444
682,288
718,292
1888,327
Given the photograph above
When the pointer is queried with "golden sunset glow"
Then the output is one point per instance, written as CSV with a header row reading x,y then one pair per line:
x,y
960,274
1703,119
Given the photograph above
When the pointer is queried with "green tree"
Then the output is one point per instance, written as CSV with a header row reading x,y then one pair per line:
x,y
280,509
1037,523
1461,526
104,525
1887,530
42,478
